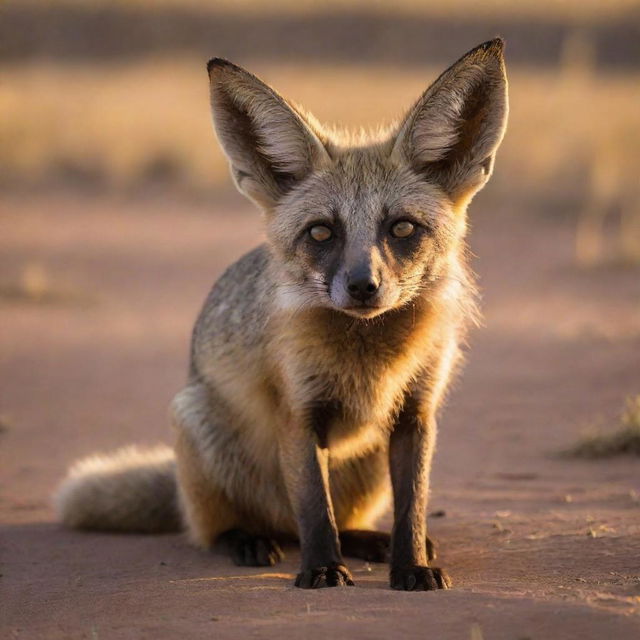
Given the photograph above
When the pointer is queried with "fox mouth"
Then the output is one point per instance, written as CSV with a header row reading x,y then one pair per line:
x,y
363,310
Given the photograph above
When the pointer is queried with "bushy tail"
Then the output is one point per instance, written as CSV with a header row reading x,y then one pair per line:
x,y
130,489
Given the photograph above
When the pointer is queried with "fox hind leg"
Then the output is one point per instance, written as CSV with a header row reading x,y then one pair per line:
x,y
208,509
212,519
361,493
360,489
251,550
373,546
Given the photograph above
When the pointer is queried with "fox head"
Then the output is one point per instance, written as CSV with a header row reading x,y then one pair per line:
x,y
368,226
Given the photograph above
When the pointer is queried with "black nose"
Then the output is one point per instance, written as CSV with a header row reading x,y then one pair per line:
x,y
362,286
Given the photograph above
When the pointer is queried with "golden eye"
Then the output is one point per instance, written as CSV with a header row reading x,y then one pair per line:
x,y
403,229
320,233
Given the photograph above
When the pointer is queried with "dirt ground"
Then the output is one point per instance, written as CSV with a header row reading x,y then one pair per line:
x,y
538,547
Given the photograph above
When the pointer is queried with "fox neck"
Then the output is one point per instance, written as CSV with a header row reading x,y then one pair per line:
x,y
361,368
317,339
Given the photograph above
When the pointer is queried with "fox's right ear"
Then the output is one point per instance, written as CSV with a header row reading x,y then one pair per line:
x,y
270,145
452,133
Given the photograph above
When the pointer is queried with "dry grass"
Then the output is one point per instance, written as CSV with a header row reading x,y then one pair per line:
x,y
148,120
623,440
574,131
611,190
37,286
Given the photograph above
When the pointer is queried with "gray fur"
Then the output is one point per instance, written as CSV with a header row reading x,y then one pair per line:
x,y
281,343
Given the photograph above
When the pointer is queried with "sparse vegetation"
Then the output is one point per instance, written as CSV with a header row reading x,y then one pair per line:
x,y
36,286
622,440
608,226
109,131
130,121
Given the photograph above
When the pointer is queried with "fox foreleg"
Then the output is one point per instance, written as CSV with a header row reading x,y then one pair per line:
x,y
410,452
305,467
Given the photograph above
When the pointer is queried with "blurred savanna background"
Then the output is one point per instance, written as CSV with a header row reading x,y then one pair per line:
x,y
117,212
109,95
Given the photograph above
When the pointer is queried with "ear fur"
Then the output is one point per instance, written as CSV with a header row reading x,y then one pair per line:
x,y
270,144
453,131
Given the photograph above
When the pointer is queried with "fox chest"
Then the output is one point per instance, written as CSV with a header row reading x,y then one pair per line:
x,y
353,414
351,384
344,436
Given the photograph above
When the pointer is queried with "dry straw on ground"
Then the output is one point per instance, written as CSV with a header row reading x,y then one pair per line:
x,y
624,439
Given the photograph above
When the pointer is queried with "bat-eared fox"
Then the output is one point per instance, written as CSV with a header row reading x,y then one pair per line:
x,y
320,358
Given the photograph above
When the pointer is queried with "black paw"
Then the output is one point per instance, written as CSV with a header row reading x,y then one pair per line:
x,y
249,550
419,579
373,546
335,575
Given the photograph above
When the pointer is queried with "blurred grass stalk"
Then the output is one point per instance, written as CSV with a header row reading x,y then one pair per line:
x,y
624,439
611,188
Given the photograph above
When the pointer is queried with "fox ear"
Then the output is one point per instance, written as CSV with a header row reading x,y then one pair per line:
x,y
270,145
453,131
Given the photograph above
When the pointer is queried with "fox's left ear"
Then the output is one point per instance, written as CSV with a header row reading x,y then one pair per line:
x,y
270,144
452,133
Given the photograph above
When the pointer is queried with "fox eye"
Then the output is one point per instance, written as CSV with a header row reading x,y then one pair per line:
x,y
320,233
403,229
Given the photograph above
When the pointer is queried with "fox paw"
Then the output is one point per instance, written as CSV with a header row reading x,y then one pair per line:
x,y
419,579
373,546
335,575
249,550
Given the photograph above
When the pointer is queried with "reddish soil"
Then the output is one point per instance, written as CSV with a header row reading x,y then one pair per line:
x,y
538,547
